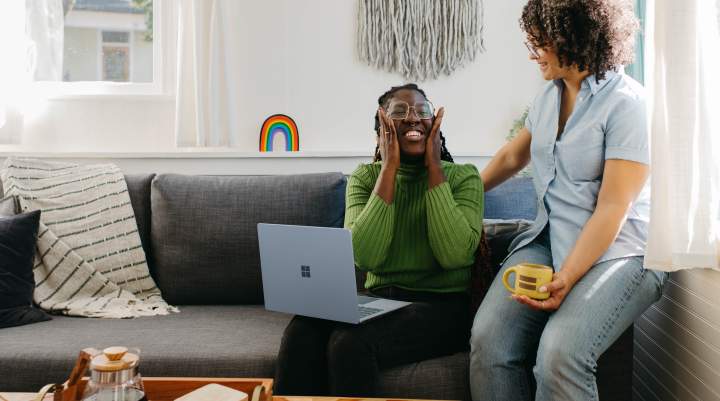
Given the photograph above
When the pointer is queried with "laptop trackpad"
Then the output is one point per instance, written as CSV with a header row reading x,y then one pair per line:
x,y
386,304
362,299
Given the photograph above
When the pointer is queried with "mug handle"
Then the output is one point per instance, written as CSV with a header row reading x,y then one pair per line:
x,y
505,278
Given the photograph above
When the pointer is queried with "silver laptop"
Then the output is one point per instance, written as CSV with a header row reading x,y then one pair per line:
x,y
310,271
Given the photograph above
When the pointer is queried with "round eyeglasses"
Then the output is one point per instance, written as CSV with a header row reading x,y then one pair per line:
x,y
400,110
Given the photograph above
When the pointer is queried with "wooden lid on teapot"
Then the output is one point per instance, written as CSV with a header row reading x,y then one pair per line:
x,y
113,359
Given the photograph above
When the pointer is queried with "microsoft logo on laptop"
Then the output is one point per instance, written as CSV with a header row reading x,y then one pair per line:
x,y
305,271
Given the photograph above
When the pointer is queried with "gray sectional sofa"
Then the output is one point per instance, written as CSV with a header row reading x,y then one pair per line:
x,y
199,233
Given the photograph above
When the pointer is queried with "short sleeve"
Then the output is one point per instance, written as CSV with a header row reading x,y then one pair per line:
x,y
626,133
531,115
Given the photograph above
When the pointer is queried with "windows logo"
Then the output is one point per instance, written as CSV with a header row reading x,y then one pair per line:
x,y
305,271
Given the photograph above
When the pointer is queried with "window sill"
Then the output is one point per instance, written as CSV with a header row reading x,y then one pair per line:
x,y
110,97
189,153
98,90
204,153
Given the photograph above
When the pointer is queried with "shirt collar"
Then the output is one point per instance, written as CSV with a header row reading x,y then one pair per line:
x,y
589,81
594,85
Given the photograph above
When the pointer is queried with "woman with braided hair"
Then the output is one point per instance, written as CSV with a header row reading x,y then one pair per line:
x,y
416,222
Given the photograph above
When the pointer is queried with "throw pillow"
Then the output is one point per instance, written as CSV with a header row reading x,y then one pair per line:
x,y
18,235
500,233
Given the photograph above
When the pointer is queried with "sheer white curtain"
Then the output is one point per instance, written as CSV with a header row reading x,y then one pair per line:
x,y
207,89
684,84
31,39
45,30
12,29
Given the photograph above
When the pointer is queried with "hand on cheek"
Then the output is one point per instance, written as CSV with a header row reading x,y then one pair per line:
x,y
434,143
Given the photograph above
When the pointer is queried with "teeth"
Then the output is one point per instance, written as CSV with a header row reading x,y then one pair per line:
x,y
413,134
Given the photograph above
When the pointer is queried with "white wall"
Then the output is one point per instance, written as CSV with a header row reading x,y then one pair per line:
x,y
298,57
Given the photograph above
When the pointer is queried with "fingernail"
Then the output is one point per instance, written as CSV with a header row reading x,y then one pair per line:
x,y
542,289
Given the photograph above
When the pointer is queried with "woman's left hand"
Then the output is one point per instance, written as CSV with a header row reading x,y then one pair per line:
x,y
434,144
558,288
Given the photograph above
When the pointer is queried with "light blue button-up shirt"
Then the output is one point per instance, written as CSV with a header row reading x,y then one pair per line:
x,y
608,122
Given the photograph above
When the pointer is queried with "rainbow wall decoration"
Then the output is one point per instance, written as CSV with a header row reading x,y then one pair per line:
x,y
279,124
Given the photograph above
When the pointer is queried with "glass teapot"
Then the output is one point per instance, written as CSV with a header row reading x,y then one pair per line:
x,y
114,376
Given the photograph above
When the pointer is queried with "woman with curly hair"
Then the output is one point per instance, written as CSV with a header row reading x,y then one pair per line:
x,y
586,140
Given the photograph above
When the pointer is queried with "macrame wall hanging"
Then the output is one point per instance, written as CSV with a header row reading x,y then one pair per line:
x,y
419,39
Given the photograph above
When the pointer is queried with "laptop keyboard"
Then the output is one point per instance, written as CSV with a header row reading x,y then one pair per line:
x,y
366,311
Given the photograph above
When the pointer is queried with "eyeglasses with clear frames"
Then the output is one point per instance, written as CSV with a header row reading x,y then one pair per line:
x,y
532,49
400,110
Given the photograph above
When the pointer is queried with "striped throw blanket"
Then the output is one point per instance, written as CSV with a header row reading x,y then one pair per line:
x,y
89,261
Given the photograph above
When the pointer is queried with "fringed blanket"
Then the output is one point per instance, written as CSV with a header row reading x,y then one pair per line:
x,y
89,260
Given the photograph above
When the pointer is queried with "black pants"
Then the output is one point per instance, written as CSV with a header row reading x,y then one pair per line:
x,y
322,357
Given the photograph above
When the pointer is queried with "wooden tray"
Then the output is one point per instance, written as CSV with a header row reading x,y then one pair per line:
x,y
170,388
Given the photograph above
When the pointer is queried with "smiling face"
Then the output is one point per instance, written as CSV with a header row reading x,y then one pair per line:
x,y
548,62
412,131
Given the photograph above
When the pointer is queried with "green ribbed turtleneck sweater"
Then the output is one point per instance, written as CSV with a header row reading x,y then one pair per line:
x,y
425,240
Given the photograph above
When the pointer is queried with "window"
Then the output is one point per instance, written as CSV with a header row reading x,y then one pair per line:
x,y
98,46
635,69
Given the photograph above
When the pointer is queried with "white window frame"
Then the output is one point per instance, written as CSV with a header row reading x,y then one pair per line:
x,y
164,56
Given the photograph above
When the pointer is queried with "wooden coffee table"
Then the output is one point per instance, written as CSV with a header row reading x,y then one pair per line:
x,y
29,397
170,388
283,398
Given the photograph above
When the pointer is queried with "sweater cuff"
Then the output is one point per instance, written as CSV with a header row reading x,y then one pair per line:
x,y
377,206
441,195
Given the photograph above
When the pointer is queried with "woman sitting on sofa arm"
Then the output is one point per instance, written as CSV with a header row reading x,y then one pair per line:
x,y
586,140
416,222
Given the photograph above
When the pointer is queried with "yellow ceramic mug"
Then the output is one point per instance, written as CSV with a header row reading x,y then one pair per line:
x,y
529,278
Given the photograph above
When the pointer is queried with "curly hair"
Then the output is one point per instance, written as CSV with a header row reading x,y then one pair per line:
x,y
383,101
595,35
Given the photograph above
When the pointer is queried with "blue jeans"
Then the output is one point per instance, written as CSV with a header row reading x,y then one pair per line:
x,y
507,337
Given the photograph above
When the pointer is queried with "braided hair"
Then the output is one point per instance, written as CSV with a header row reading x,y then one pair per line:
x,y
384,100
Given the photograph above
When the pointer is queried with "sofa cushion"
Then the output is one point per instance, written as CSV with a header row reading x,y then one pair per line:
x,y
444,378
139,190
500,233
204,229
513,199
204,341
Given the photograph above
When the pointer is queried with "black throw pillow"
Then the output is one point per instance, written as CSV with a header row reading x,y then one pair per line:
x,y
18,235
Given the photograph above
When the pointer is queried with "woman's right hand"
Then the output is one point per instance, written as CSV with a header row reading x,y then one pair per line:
x,y
388,142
